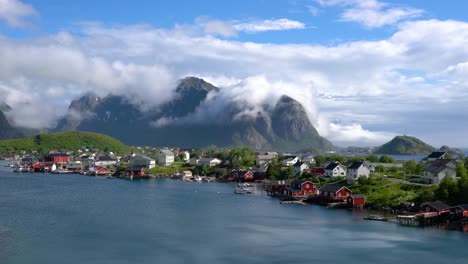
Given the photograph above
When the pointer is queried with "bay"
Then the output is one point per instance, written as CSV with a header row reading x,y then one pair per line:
x,y
48,218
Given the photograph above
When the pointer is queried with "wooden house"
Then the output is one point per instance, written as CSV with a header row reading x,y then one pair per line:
x,y
356,200
435,207
460,211
336,193
301,189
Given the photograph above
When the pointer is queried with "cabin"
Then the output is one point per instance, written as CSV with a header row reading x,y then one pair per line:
x,y
275,187
135,172
105,160
241,175
459,211
332,192
356,170
435,207
356,200
335,169
301,189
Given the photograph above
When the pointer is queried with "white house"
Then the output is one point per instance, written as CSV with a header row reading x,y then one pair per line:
x,y
165,157
209,162
309,160
261,159
436,155
356,170
299,167
335,169
436,170
142,162
186,157
105,160
290,161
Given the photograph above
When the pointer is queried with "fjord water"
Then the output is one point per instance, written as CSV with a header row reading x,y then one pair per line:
x,y
76,219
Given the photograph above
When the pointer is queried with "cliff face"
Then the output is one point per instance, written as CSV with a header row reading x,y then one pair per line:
x,y
285,127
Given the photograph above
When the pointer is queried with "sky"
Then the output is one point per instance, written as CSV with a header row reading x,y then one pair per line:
x,y
365,70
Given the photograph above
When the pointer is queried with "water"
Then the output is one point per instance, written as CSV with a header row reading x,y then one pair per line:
x,y
76,219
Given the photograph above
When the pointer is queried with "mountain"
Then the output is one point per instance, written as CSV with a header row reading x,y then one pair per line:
x,y
405,145
454,152
6,130
70,140
282,127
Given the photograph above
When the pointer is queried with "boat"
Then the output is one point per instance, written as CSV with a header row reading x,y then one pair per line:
x,y
375,218
242,190
110,177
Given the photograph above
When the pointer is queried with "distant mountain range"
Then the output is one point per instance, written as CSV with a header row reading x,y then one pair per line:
x,y
405,145
7,131
284,127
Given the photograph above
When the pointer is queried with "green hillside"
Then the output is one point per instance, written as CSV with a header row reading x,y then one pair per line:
x,y
404,145
71,140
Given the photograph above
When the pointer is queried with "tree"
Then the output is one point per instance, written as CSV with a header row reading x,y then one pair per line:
x,y
386,159
410,166
373,158
461,170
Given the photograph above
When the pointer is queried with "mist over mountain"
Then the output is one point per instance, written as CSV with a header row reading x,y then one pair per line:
x,y
197,117
7,131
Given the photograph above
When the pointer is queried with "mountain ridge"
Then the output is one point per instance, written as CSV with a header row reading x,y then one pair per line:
x,y
405,145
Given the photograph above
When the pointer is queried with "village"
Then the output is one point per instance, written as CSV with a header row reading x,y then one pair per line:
x,y
291,178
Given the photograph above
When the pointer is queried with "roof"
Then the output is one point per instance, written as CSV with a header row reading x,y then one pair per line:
x,y
357,196
142,157
463,206
167,152
209,159
332,166
331,188
298,164
356,165
438,205
265,156
436,155
438,165
297,182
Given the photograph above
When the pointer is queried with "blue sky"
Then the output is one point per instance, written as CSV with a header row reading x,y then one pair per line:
x,y
366,70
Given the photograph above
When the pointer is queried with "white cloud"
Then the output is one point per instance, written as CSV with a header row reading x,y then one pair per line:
x,y
269,25
15,12
397,82
372,13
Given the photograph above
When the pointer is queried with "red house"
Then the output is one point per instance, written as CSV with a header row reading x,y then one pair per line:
x,y
275,187
435,207
241,175
135,172
317,172
356,200
336,193
56,158
460,210
301,189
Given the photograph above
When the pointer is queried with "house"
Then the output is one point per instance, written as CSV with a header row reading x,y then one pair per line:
x,y
102,171
105,160
370,166
335,169
261,159
460,211
436,170
289,161
209,162
435,207
194,161
436,155
138,162
356,200
299,167
317,172
187,175
165,157
309,160
332,192
135,173
56,158
301,189
356,170
241,175
275,187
